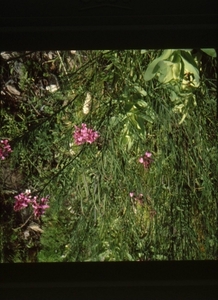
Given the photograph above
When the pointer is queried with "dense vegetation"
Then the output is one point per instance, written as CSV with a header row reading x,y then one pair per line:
x,y
144,189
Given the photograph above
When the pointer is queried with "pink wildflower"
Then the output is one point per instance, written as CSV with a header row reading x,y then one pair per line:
x,y
148,154
84,135
141,160
146,159
39,208
22,201
5,149
131,194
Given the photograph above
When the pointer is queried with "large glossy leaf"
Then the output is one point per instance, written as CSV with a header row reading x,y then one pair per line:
x,y
166,71
154,67
177,65
176,69
189,58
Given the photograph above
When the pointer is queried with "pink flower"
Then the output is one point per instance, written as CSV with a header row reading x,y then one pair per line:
x,y
84,135
5,149
24,199
141,160
146,160
148,154
131,194
39,208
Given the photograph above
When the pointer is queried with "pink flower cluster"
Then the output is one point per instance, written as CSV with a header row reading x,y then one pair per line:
x,y
39,208
84,135
24,199
146,159
138,198
5,149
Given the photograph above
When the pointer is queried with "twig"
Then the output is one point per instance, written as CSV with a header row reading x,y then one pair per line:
x,y
23,224
61,61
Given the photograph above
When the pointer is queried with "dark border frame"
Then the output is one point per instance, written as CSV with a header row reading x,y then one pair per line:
x,y
149,32
113,280
106,24
122,24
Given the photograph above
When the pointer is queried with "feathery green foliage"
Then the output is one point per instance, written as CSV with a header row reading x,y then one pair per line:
x,y
92,216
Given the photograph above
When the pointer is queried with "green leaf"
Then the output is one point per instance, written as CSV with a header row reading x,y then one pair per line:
x,y
128,141
176,70
142,103
140,90
166,71
187,50
140,123
183,118
210,52
153,67
190,66
114,120
173,96
147,118
188,57
128,106
177,64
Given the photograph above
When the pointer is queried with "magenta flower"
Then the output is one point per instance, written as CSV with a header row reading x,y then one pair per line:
x,y
39,208
146,159
84,135
5,149
23,200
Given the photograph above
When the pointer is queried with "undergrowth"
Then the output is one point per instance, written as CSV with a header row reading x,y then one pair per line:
x,y
92,216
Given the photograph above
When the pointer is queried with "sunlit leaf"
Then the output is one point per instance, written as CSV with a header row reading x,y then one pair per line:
x,y
153,67
210,52
166,71
140,90
142,103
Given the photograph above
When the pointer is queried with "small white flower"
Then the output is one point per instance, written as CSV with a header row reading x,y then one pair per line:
x,y
52,88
